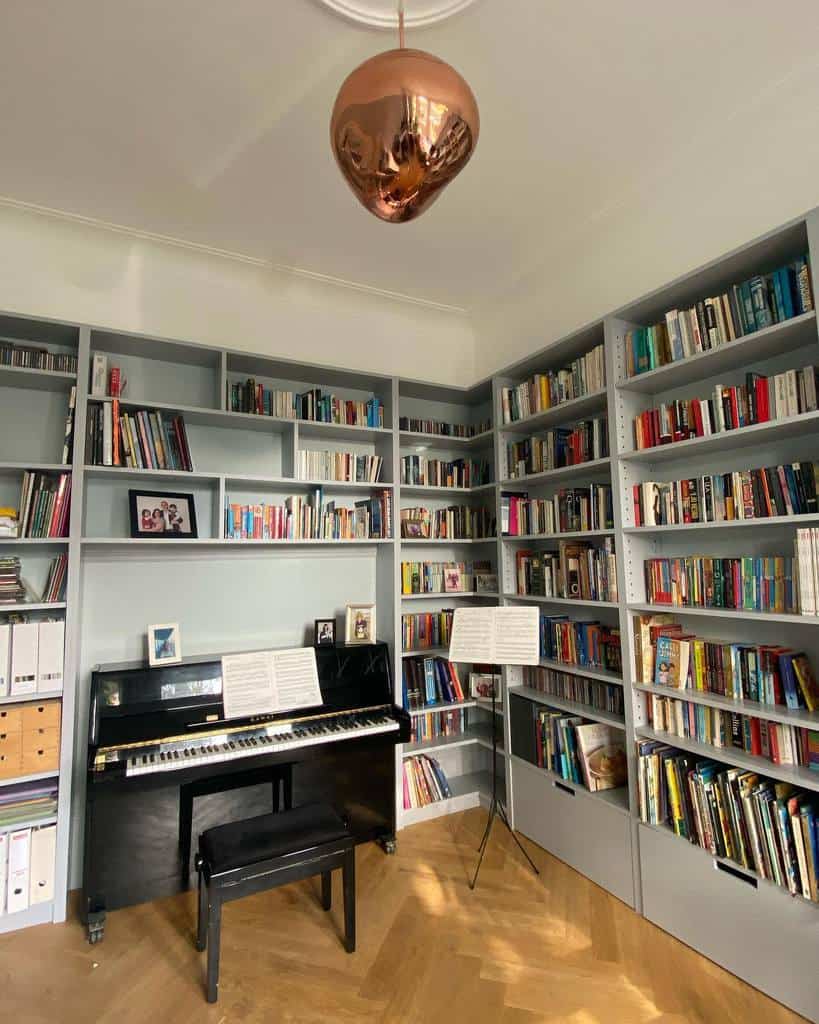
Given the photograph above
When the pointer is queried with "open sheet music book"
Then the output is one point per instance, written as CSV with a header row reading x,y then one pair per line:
x,y
264,682
497,636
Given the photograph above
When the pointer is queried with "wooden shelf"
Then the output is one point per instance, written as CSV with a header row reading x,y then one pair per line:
x,y
806,424
432,491
448,540
30,778
34,467
593,468
480,734
802,718
576,602
134,543
750,348
165,474
410,439
455,706
803,777
33,606
565,412
806,519
22,698
29,823
571,706
726,613
448,596
567,535
426,652
28,541
36,380
581,670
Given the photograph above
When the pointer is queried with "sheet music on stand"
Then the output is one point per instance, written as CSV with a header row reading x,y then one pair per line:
x,y
497,636
264,682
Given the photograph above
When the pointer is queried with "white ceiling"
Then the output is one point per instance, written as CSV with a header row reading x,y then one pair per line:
x,y
208,122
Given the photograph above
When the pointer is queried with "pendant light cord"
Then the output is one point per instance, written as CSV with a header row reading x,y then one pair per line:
x,y
401,24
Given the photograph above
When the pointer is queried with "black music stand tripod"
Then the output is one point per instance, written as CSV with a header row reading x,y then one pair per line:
x,y
496,808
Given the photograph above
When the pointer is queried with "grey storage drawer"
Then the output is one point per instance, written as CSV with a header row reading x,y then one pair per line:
x,y
580,828
753,929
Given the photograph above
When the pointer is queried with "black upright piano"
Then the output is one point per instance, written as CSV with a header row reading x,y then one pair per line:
x,y
156,733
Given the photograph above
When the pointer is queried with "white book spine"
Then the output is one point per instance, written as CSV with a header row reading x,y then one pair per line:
x,y
4,864
99,375
24,644
42,864
18,870
5,658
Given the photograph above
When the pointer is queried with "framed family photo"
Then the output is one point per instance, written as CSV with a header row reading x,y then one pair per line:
x,y
325,632
360,626
162,515
164,644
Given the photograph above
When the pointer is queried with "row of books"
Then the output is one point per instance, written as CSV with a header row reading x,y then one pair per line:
x,y
584,375
770,828
578,571
555,449
426,629
417,470
457,522
315,405
777,742
424,782
759,400
27,865
586,753
35,357
441,577
54,589
759,302
45,499
589,644
743,582
568,511
28,802
428,681
12,589
345,466
666,655
416,425
594,694
436,724
310,518
764,493
140,439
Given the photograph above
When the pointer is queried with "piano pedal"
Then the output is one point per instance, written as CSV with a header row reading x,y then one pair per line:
x,y
387,844
96,927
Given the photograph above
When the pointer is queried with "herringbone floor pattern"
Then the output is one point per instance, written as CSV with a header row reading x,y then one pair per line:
x,y
519,950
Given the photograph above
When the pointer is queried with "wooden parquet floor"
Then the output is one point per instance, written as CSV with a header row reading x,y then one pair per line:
x,y
519,950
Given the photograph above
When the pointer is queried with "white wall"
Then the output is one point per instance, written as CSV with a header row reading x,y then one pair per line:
x,y
63,268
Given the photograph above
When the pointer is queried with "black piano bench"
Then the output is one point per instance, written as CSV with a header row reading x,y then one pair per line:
x,y
246,857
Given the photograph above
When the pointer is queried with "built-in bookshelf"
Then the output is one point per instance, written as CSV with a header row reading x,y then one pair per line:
x,y
315,436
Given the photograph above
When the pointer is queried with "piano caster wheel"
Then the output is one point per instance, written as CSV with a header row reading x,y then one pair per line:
x,y
388,846
96,928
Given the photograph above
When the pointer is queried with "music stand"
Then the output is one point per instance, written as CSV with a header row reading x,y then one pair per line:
x,y
496,808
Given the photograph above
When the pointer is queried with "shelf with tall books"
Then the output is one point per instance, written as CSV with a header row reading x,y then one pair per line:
x,y
715,416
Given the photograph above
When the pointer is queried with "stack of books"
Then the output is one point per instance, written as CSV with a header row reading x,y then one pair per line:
x,y
586,753
55,583
568,511
435,724
767,827
578,689
34,357
420,471
426,629
764,673
579,572
315,405
759,400
28,802
424,782
45,500
139,440
784,490
441,577
428,681
457,522
415,425
12,590
585,375
344,466
587,644
310,518
754,304
555,449
745,582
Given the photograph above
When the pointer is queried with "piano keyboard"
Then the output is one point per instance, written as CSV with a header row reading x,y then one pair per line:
x,y
269,739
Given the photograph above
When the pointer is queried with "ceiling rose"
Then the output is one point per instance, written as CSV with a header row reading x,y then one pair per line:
x,y
381,13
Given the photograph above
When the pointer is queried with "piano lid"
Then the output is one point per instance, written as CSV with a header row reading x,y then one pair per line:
x,y
131,701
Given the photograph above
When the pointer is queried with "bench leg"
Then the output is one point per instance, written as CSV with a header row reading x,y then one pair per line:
x,y
214,928
327,889
202,922
185,830
288,787
348,875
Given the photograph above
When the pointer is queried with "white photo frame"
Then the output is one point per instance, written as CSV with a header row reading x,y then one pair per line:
x,y
164,644
360,624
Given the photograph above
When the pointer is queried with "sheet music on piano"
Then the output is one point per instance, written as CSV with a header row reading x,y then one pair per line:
x,y
264,682
497,636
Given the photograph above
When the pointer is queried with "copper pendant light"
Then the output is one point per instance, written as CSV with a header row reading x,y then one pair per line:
x,y
404,124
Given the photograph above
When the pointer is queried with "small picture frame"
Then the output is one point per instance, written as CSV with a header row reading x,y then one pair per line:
x,y
360,625
325,632
164,644
482,685
162,515
486,583
453,581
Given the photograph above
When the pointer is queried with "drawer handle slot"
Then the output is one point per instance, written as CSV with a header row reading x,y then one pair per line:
x,y
563,787
736,873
